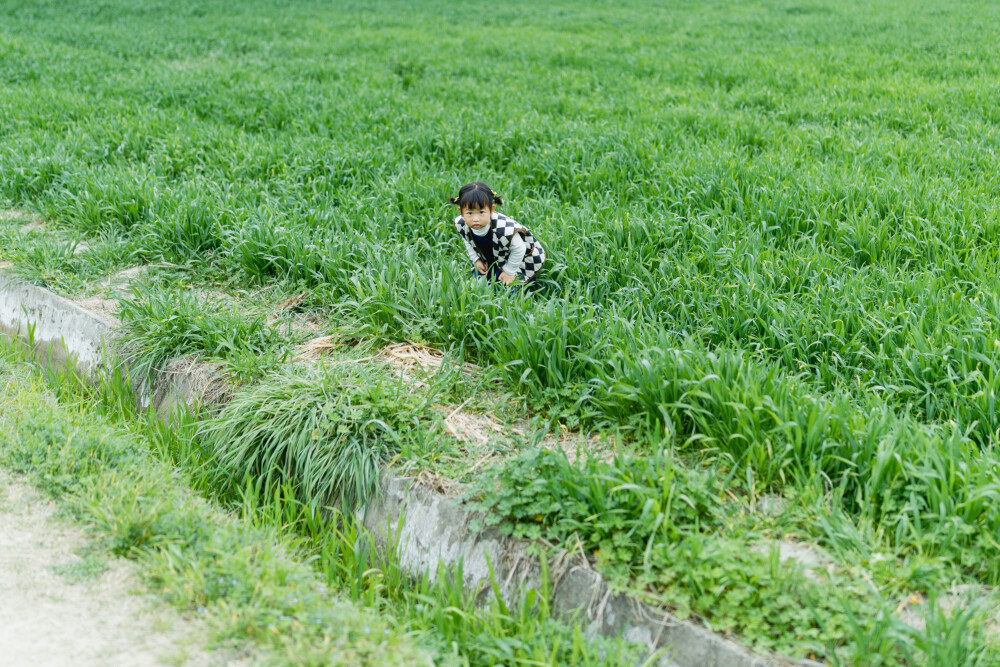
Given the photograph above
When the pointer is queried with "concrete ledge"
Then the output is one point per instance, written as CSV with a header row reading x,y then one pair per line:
x,y
62,332
431,530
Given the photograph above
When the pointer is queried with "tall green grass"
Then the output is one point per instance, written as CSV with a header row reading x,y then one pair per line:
x,y
163,324
833,221
772,227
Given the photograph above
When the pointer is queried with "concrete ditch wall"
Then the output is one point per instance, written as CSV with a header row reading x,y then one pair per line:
x,y
61,331
430,529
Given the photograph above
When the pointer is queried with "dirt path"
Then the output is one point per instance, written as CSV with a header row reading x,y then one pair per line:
x,y
59,609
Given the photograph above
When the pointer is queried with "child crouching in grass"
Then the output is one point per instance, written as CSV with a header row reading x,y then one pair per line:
x,y
500,249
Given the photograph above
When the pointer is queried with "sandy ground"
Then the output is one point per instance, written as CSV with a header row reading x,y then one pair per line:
x,y
58,610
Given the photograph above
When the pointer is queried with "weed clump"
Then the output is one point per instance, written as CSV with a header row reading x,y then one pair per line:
x,y
161,324
324,432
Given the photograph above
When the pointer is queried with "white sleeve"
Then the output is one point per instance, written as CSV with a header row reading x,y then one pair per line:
x,y
517,249
470,250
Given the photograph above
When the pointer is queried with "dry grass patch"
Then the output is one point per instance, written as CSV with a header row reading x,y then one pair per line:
x,y
315,348
190,383
472,429
410,359
126,276
413,357
305,323
439,484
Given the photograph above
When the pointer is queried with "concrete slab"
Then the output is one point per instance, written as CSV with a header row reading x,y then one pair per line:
x,y
61,332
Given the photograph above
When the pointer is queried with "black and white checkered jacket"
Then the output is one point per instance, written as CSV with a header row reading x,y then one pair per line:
x,y
502,230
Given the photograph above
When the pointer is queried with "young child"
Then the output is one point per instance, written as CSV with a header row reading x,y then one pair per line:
x,y
499,248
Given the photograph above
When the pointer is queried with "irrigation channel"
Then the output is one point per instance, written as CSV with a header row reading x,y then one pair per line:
x,y
428,528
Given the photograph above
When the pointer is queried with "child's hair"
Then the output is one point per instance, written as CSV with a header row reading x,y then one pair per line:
x,y
476,195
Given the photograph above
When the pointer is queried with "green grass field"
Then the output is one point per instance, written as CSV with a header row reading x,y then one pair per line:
x,y
773,234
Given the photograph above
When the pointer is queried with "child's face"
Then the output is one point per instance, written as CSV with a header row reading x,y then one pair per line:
x,y
477,217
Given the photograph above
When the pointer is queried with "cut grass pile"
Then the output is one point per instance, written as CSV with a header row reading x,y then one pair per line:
x,y
772,229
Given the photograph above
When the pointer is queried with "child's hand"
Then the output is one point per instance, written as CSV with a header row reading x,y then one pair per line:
x,y
506,278
481,266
